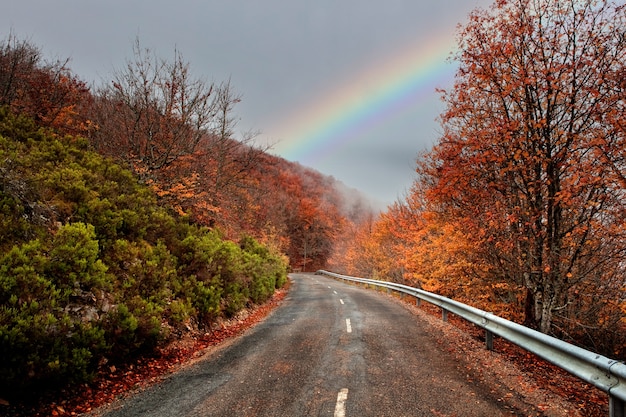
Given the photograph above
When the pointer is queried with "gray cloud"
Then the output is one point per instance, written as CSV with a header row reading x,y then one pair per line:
x,y
278,54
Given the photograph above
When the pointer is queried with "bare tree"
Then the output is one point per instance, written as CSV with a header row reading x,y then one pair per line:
x,y
228,159
154,111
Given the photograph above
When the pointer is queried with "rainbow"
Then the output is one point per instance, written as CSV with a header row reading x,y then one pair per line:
x,y
369,99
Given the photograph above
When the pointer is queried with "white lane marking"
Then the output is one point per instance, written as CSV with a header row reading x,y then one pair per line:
x,y
335,292
348,326
329,286
341,301
340,408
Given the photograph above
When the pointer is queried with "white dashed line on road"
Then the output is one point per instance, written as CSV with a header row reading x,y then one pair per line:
x,y
348,326
341,301
340,408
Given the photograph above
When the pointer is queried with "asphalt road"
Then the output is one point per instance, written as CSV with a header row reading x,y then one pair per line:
x,y
330,349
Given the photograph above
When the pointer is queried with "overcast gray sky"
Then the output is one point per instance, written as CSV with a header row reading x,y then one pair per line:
x,y
343,86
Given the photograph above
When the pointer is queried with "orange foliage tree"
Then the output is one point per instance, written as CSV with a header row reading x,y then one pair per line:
x,y
309,212
376,252
48,92
519,207
412,243
530,158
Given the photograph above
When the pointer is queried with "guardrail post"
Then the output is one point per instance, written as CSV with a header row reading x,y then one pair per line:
x,y
444,314
617,407
418,301
489,339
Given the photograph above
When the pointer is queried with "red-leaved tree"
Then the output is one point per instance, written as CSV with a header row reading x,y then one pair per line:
x,y
530,162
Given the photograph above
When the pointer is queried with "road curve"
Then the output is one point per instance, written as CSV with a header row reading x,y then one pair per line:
x,y
330,349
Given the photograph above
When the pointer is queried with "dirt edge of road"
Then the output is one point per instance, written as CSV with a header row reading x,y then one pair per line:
x,y
517,376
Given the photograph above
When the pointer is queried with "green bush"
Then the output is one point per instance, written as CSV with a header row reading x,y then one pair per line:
x,y
39,339
73,259
14,225
91,267
180,311
267,269
206,300
133,328
142,270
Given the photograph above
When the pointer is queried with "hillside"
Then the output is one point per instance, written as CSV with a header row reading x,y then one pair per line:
x,y
178,135
127,224
94,271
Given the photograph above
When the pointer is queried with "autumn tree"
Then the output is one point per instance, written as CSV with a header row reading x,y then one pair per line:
x,y
304,208
45,90
179,133
375,251
218,184
438,255
153,112
227,156
530,161
359,218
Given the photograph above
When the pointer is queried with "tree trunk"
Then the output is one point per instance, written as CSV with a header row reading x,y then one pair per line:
x,y
529,309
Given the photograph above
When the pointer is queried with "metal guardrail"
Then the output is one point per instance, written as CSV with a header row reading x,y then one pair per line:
x,y
606,374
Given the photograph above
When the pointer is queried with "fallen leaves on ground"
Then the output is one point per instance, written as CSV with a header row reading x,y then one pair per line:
x,y
531,380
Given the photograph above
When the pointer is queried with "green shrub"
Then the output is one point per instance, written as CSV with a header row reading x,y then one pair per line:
x,y
14,226
263,281
91,267
142,270
40,348
22,278
268,269
73,259
133,329
206,300
180,311
217,267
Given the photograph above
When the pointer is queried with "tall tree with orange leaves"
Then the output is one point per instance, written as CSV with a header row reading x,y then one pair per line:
x,y
530,162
